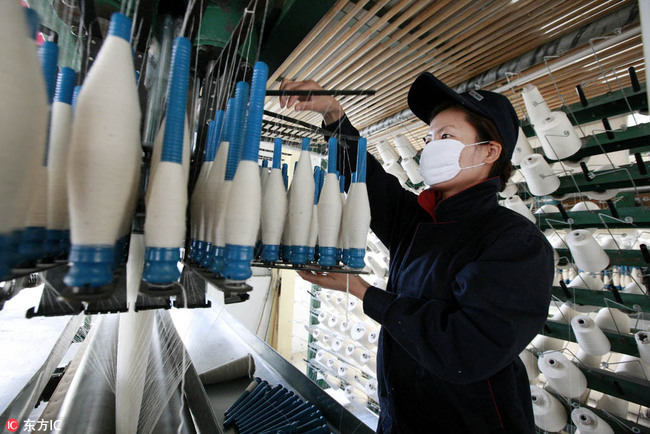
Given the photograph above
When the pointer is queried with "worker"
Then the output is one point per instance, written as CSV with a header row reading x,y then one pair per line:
x,y
469,281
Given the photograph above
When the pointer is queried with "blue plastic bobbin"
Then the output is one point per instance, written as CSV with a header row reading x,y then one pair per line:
x,y
207,257
238,262
32,245
355,258
270,252
219,260
90,265
161,265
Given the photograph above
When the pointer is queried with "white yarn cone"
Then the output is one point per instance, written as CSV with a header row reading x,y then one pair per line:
x,y
643,344
372,337
536,107
346,373
565,314
613,405
550,414
586,252
547,209
587,281
635,288
602,195
333,364
590,337
301,201
23,114
516,204
332,322
530,362
633,367
557,136
329,210
563,376
105,152
358,224
412,169
613,320
522,148
322,317
386,152
371,388
543,343
331,381
345,326
358,331
357,398
587,359
274,208
404,147
215,198
588,422
538,174
585,205
338,345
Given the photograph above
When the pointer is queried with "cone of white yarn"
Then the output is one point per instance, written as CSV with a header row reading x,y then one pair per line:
x,y
530,363
584,205
550,414
386,152
557,136
543,343
522,148
563,376
633,367
516,204
104,158
586,252
358,331
346,373
357,398
613,405
565,314
587,281
590,337
412,169
613,320
643,344
547,209
635,288
331,381
404,147
509,190
535,105
589,422
538,174
587,359
371,388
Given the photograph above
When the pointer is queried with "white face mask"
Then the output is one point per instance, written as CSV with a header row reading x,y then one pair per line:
x,y
440,160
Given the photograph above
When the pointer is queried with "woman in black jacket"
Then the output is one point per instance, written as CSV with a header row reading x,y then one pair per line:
x,y
469,282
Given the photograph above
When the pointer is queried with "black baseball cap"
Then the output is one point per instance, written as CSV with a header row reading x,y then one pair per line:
x,y
427,92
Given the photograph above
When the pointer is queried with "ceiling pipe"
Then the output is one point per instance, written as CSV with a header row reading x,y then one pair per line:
x,y
622,17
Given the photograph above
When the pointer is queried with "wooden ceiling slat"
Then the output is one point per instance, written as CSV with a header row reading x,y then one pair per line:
x,y
346,59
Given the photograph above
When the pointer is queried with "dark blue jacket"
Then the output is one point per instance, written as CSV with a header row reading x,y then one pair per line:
x,y
469,287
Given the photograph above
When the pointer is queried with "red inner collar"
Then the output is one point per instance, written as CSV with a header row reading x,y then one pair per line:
x,y
430,198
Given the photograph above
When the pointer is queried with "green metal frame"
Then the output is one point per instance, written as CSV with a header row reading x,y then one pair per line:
x,y
629,217
630,389
591,297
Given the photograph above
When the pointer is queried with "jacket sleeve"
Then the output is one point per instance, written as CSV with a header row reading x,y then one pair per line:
x,y
389,202
500,303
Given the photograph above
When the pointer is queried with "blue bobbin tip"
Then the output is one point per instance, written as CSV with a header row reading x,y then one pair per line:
x,y
299,254
120,26
65,85
327,256
355,258
270,252
90,266
218,260
207,256
161,265
200,251
305,144
238,262
32,245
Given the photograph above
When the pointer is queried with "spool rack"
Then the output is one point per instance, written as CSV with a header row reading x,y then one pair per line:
x,y
628,210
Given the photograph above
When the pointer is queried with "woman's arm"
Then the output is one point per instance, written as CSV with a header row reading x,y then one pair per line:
x,y
390,204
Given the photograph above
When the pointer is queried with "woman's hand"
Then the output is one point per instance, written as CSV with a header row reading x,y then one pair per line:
x,y
337,281
326,105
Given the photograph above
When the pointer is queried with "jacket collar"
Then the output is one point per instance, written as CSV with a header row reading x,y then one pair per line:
x,y
474,200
